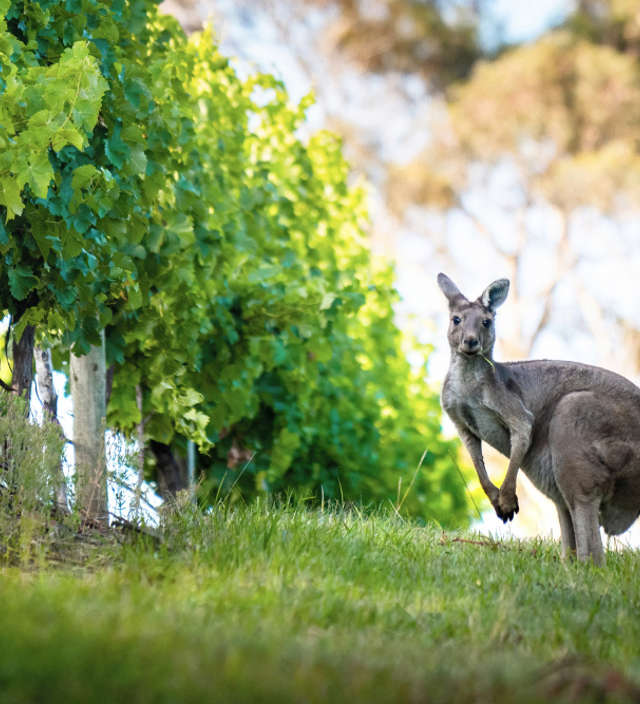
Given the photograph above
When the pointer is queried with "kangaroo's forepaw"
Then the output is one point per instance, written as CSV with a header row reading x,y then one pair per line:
x,y
507,506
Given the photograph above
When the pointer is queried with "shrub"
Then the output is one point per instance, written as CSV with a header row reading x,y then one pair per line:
x,y
30,471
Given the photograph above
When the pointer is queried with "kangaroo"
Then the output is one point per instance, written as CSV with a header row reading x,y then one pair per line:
x,y
572,428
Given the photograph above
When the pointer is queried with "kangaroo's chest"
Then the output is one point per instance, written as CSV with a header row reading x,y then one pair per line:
x,y
483,422
488,426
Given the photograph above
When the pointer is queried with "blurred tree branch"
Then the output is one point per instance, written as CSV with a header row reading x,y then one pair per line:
x,y
439,40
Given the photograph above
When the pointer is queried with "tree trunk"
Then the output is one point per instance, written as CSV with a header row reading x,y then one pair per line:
x,y
88,378
49,399
22,374
171,473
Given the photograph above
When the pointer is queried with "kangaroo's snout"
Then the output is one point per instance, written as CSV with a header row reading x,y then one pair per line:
x,y
470,345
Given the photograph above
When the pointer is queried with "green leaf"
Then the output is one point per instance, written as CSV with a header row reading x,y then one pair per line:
x,y
83,219
10,197
134,296
116,150
83,176
40,174
138,160
327,301
66,296
43,236
21,281
71,244
65,136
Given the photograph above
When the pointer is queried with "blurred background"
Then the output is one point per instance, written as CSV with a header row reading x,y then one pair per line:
x,y
497,138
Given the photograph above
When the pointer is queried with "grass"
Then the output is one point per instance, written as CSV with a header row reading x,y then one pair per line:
x,y
285,604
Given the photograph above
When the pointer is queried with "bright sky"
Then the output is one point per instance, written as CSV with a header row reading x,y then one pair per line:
x,y
525,19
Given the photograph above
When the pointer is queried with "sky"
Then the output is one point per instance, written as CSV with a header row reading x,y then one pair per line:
x,y
525,19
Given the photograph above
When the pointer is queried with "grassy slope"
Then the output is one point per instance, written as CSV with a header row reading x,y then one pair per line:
x,y
288,605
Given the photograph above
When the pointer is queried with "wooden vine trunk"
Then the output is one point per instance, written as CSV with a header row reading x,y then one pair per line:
x,y
88,379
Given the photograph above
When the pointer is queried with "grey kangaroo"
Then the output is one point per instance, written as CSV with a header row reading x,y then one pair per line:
x,y
573,429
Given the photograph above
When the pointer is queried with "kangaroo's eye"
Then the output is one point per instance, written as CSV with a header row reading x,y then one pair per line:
x,y
456,320
487,322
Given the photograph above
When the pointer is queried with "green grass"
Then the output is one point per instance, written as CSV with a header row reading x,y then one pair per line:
x,y
273,604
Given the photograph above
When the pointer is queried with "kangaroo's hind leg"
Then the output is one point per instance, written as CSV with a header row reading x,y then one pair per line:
x,y
584,513
567,534
587,527
583,509
582,479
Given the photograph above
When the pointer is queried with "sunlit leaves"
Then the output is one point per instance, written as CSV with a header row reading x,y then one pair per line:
x,y
76,112
42,108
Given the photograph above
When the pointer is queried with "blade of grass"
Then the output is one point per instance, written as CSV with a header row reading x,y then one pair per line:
x,y
412,482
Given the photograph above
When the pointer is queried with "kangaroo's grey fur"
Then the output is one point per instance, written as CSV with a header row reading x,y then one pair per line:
x,y
573,429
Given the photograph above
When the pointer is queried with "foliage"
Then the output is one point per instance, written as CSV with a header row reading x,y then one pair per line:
x,y
174,204
560,81
611,22
269,604
561,111
350,421
50,100
94,246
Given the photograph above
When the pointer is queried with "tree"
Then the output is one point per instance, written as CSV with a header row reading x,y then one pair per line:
x,y
49,399
81,196
42,108
614,23
439,40
88,377
174,207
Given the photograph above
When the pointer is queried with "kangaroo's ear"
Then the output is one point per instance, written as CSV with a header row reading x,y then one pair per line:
x,y
495,294
450,290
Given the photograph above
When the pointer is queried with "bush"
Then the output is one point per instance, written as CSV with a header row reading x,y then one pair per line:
x,y
30,472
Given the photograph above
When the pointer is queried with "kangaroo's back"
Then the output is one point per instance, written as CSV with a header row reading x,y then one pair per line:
x,y
542,382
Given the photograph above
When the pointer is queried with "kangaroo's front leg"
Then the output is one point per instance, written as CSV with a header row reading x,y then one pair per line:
x,y
474,448
507,497
520,423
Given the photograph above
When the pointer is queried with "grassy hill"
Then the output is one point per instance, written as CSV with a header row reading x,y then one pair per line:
x,y
273,604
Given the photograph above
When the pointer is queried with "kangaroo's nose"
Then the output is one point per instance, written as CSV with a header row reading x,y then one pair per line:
x,y
471,342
